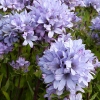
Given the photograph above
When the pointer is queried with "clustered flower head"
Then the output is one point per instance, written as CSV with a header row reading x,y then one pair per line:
x,y
74,3
83,3
13,4
42,20
95,23
94,3
51,17
20,64
67,65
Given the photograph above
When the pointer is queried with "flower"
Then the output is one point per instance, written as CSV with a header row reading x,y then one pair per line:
x,y
13,4
51,17
20,64
95,23
94,3
74,3
67,66
29,37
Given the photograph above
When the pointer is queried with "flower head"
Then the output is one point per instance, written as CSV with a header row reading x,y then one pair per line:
x,y
67,66
29,37
52,17
20,64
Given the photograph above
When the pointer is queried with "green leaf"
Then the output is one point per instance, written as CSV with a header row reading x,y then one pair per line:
x,y
98,86
38,73
4,88
6,95
94,96
30,88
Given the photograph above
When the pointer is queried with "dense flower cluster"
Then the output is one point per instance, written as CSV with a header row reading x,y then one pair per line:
x,y
74,3
40,23
20,64
83,3
94,3
67,66
95,30
51,17
95,23
13,4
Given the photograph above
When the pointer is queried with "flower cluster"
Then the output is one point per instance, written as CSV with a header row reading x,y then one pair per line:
x,y
74,3
83,3
52,17
95,23
20,64
94,3
13,4
41,22
67,66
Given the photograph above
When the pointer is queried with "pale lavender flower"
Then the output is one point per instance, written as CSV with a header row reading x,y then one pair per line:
x,y
94,3
67,66
74,3
52,17
28,38
94,35
76,96
17,25
95,23
4,49
21,63
13,4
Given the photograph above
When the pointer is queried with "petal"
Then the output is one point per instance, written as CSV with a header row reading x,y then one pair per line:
x,y
49,78
73,72
68,64
58,30
70,83
55,84
25,42
30,43
50,34
79,96
59,92
58,76
62,84
34,38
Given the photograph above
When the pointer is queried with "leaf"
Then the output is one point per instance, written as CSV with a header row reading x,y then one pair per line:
x,y
6,95
4,88
94,96
30,88
98,86
38,73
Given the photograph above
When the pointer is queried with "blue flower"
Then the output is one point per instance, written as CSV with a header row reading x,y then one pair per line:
x,y
20,64
67,66
28,38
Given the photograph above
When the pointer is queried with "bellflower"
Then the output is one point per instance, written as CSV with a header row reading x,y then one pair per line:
x,y
51,17
4,49
17,25
20,64
67,65
74,3
13,4
94,3
8,34
29,37
95,23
